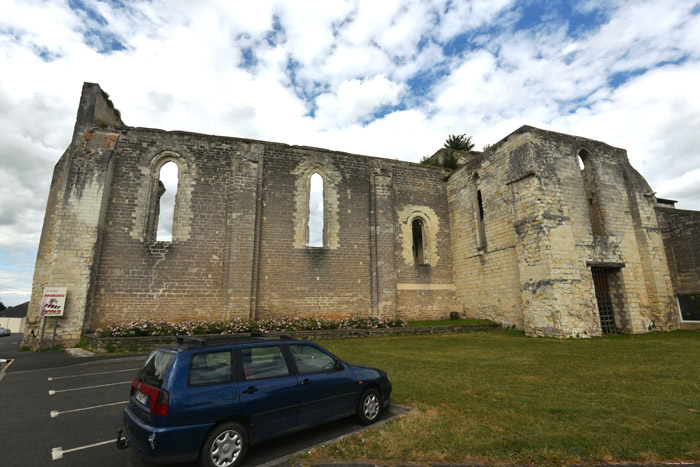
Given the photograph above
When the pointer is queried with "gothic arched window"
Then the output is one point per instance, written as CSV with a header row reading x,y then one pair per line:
x,y
165,208
418,230
316,210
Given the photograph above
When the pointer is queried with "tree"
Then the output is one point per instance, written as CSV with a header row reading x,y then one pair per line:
x,y
2,306
459,142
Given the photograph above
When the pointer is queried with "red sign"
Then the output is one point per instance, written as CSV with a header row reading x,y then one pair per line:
x,y
53,302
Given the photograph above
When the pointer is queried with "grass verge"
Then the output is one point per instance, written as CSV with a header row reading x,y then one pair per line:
x,y
503,398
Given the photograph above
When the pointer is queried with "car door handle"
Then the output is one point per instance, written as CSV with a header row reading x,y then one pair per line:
x,y
250,390
307,381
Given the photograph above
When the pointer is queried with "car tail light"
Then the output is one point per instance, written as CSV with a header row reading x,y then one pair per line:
x,y
161,404
157,398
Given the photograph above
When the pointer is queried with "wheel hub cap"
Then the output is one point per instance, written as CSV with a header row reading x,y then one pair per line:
x,y
226,448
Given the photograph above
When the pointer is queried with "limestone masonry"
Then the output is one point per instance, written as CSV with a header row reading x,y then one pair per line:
x,y
551,233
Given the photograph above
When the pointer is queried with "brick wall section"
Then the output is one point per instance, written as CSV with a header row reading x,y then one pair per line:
x,y
681,234
236,249
182,279
358,272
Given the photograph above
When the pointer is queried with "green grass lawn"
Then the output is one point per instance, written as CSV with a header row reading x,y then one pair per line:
x,y
502,398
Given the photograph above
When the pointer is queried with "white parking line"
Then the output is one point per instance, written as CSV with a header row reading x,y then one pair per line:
x,y
56,413
53,378
57,453
52,392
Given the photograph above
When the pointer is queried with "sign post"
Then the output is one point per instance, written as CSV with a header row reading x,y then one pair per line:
x,y
52,304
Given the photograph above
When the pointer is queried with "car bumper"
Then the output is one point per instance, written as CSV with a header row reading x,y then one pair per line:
x,y
386,395
163,444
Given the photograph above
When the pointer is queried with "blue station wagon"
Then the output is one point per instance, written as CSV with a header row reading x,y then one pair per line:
x,y
209,399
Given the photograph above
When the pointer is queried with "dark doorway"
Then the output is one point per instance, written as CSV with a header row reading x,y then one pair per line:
x,y
602,295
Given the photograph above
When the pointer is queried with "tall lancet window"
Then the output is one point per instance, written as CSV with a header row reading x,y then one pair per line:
x,y
167,190
316,210
418,241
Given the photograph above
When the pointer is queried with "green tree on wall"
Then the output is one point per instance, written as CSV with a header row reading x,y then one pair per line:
x,y
459,142
450,160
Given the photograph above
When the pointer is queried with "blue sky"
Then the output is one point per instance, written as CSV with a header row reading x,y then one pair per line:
x,y
383,78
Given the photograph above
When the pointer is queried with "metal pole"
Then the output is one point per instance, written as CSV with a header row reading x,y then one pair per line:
x,y
53,338
43,328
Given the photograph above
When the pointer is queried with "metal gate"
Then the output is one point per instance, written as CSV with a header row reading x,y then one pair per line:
x,y
605,306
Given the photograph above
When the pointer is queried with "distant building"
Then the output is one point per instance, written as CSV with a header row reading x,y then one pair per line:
x,y
14,317
551,233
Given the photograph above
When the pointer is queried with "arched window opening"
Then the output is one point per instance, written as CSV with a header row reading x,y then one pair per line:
x,y
165,208
591,191
418,241
316,210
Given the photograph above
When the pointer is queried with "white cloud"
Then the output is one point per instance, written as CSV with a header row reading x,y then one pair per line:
x,y
356,99
461,17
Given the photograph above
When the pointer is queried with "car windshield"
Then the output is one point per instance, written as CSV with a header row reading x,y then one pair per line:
x,y
155,368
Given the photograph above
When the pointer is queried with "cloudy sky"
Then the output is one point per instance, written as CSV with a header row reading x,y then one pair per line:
x,y
378,77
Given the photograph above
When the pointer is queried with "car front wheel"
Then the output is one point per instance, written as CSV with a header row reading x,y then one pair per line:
x,y
369,407
225,446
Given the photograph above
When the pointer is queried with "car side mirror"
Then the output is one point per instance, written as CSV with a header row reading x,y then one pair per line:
x,y
338,365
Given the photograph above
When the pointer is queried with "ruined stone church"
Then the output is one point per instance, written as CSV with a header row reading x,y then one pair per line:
x,y
554,234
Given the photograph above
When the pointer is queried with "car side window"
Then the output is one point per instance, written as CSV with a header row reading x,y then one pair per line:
x,y
263,362
309,359
210,368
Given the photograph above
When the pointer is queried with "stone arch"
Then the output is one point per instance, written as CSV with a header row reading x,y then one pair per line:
x,y
148,202
322,166
428,219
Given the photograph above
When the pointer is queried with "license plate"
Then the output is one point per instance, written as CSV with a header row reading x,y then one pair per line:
x,y
141,397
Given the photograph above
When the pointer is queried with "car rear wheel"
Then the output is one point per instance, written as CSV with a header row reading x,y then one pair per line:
x,y
225,446
369,407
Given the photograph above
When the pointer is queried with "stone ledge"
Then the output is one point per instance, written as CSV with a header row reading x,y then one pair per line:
x,y
107,344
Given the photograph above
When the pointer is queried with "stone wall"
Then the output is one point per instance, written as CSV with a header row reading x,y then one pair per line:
x,y
681,235
71,240
484,241
512,236
529,224
240,244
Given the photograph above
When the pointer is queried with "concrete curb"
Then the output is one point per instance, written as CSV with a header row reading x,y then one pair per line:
x,y
77,352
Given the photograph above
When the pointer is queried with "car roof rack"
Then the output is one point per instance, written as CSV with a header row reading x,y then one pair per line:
x,y
224,339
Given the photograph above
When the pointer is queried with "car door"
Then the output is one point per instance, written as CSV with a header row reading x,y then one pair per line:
x,y
211,392
269,392
327,389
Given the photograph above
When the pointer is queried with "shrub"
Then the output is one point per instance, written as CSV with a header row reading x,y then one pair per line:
x,y
150,327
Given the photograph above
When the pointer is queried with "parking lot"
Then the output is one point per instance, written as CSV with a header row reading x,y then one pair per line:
x,y
68,414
